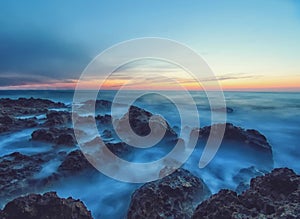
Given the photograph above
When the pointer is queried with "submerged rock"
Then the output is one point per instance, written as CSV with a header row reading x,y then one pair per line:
x,y
275,195
173,196
46,206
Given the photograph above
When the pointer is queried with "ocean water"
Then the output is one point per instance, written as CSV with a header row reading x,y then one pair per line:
x,y
274,114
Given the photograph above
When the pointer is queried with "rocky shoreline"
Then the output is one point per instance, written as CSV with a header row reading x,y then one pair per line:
x,y
261,192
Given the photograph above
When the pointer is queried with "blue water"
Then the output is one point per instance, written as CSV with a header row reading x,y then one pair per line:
x,y
274,114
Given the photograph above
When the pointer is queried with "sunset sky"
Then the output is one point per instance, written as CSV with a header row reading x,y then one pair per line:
x,y
249,45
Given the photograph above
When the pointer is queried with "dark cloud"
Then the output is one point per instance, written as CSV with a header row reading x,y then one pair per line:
x,y
39,56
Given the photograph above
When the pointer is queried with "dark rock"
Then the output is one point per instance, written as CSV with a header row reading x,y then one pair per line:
x,y
8,123
57,136
75,162
244,176
16,170
120,149
107,134
56,118
274,195
106,119
24,106
250,136
239,141
173,196
46,206
139,121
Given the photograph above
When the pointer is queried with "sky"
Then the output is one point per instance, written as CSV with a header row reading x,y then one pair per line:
x,y
249,44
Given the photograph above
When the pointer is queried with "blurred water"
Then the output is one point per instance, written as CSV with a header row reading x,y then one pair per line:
x,y
274,114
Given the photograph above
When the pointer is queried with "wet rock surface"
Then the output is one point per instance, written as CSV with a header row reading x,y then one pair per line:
x,y
16,171
173,196
57,118
75,162
46,206
274,195
244,176
27,106
248,136
57,136
139,121
8,123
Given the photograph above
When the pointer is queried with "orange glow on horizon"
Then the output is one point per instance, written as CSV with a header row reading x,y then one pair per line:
x,y
280,84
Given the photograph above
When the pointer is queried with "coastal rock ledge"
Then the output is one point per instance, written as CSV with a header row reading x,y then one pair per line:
x,y
45,206
274,195
174,196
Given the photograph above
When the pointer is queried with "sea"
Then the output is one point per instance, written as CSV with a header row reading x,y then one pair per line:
x,y
276,115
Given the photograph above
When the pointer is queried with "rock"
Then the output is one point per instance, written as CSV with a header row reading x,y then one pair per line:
x,y
58,136
16,170
239,141
250,136
139,121
120,149
24,106
46,206
8,123
107,134
274,195
173,196
106,119
75,162
57,118
244,176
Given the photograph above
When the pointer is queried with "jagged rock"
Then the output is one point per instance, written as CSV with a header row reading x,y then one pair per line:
x,y
244,176
8,123
56,118
107,133
249,136
58,136
75,162
173,196
27,106
239,141
274,195
139,121
16,170
46,206
106,119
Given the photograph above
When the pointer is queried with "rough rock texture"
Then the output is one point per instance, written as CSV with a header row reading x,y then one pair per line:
x,y
173,196
46,206
275,195
75,162
8,123
16,170
56,118
24,106
249,136
139,121
244,176
58,136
